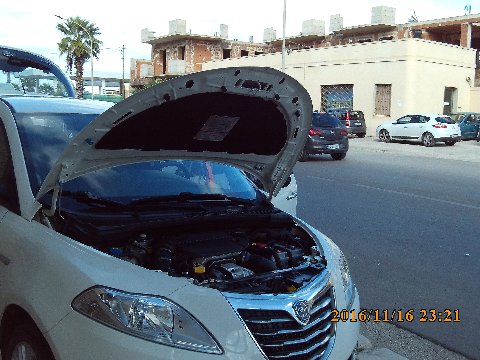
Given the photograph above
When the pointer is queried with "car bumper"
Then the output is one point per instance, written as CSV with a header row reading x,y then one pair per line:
x,y
449,138
356,129
346,335
77,337
321,146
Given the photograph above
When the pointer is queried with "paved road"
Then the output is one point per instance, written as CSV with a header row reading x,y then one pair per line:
x,y
408,219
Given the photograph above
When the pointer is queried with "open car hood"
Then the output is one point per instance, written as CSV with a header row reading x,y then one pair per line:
x,y
254,118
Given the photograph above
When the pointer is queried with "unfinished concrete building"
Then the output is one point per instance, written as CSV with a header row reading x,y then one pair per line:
x,y
180,52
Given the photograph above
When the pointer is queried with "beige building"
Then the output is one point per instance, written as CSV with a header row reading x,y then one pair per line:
x,y
385,79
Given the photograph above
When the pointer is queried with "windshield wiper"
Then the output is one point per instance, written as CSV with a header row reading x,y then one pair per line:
x,y
190,199
87,198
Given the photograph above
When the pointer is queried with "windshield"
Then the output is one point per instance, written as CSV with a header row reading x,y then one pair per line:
x,y
22,72
45,136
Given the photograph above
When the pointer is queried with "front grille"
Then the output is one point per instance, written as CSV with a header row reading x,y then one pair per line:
x,y
281,337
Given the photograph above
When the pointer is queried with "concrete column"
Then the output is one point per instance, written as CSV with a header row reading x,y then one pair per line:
x,y
466,35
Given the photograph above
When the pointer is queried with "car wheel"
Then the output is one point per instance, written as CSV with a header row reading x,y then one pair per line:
x,y
384,136
428,140
362,135
26,343
449,143
303,155
338,156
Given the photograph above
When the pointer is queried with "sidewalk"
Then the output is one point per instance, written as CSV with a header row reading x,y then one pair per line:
x,y
385,341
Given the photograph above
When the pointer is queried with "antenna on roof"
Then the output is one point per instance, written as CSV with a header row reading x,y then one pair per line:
x,y
413,18
468,9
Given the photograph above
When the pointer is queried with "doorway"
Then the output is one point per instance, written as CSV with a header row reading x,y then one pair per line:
x,y
450,101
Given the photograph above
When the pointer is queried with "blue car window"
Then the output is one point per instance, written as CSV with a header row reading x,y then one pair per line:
x,y
322,120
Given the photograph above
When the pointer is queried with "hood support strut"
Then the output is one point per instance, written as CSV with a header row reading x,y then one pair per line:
x,y
53,207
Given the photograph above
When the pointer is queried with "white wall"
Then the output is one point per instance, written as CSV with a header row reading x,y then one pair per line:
x,y
418,71
475,100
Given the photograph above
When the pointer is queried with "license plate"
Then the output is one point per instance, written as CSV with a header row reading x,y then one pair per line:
x,y
358,124
334,146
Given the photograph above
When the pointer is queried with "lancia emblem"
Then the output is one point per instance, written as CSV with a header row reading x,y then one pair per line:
x,y
302,311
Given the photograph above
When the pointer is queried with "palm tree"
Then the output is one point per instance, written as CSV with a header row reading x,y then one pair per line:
x,y
79,44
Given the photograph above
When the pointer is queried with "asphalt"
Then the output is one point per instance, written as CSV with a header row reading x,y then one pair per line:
x,y
386,341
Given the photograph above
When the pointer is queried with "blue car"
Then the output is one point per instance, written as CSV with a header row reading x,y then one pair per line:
x,y
469,124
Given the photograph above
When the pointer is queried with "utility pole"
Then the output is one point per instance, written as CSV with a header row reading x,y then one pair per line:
x,y
123,71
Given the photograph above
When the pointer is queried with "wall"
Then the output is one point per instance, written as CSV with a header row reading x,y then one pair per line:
x,y
418,70
197,51
474,100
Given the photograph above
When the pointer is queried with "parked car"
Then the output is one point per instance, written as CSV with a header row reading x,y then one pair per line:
x,y
354,120
469,124
427,128
327,135
132,232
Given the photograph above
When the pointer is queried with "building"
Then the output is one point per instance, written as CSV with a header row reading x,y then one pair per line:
x,y
382,68
384,79
180,52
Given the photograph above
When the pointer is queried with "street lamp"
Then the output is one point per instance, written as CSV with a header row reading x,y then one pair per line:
x,y
283,40
91,48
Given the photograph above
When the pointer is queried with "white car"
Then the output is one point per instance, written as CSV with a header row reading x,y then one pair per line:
x,y
427,128
132,232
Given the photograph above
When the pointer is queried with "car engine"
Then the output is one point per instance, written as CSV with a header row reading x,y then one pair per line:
x,y
270,255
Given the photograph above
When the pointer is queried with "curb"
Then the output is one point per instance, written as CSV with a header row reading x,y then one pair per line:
x,y
365,351
379,354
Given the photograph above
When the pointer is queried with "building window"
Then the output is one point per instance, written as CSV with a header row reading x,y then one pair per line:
x,y
181,53
336,96
383,99
243,53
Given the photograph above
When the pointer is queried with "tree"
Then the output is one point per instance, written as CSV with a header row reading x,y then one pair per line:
x,y
78,44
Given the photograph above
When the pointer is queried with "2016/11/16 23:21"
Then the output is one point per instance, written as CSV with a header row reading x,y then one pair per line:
x,y
398,315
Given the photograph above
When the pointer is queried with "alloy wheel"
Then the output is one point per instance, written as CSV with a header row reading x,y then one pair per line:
x,y
384,136
428,140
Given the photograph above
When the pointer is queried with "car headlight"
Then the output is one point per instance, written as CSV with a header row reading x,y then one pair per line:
x,y
347,282
148,317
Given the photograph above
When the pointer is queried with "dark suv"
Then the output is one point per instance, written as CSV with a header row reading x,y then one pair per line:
x,y
353,120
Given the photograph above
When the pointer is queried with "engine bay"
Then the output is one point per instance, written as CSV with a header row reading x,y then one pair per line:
x,y
260,254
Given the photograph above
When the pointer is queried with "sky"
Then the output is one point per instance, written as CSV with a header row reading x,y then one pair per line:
x,y
31,25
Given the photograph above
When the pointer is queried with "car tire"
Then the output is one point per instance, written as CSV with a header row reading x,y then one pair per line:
x,y
449,143
338,156
26,343
362,135
384,136
428,140
303,155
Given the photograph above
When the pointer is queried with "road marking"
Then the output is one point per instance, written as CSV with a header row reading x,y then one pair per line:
x,y
404,194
